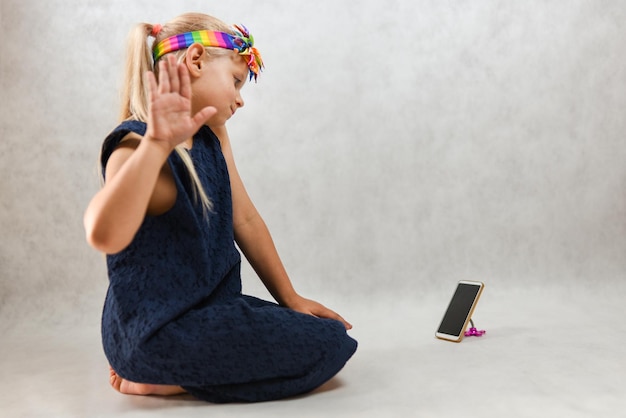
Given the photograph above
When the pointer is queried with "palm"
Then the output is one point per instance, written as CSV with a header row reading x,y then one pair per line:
x,y
169,110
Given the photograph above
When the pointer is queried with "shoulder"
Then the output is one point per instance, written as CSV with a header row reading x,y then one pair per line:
x,y
127,130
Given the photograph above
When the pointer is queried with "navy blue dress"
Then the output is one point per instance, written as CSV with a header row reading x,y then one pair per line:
x,y
174,313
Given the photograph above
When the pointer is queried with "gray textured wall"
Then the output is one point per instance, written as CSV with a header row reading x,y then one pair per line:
x,y
393,147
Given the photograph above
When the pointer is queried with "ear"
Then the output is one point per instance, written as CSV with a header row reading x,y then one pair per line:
x,y
195,59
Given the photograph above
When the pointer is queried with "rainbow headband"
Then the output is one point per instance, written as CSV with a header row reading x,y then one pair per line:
x,y
242,42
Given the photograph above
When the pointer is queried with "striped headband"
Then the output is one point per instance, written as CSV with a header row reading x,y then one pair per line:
x,y
241,41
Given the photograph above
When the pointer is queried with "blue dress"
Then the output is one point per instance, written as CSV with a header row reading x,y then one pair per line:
x,y
174,313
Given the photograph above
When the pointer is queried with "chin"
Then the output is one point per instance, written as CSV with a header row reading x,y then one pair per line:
x,y
217,120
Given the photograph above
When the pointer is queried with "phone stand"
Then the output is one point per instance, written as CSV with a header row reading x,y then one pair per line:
x,y
473,332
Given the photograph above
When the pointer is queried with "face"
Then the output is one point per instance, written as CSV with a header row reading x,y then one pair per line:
x,y
219,84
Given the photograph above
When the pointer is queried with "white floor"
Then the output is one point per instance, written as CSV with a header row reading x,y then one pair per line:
x,y
547,353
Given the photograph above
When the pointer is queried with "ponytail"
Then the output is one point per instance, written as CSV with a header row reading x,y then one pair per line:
x,y
138,62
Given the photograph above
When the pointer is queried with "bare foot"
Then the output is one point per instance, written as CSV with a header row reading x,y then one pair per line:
x,y
131,388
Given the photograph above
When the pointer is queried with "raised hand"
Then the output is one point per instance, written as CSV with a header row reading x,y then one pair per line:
x,y
170,121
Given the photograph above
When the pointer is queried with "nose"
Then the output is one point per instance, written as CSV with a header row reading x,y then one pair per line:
x,y
239,100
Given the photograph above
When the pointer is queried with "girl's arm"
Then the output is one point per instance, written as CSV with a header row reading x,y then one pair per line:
x,y
115,213
137,181
255,241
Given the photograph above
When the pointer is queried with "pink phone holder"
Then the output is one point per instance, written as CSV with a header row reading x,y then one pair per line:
x,y
473,332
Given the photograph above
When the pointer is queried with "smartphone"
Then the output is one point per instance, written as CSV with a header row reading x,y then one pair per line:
x,y
459,310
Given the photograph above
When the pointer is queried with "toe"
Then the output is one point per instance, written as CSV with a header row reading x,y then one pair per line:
x,y
115,380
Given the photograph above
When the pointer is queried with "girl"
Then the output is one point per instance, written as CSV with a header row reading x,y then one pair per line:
x,y
168,216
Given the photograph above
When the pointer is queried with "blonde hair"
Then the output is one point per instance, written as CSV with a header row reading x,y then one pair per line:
x,y
134,94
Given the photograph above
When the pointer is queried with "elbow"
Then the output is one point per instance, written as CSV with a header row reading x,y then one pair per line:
x,y
103,239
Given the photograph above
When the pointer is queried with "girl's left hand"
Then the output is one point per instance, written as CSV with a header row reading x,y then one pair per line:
x,y
310,307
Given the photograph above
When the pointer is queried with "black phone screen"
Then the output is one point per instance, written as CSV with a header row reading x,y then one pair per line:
x,y
459,309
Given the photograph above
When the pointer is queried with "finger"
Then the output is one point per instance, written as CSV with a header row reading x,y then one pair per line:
x,y
185,81
343,321
164,82
203,115
346,324
173,72
329,313
152,86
